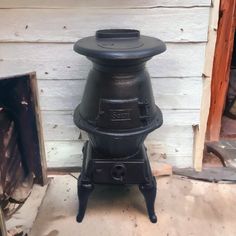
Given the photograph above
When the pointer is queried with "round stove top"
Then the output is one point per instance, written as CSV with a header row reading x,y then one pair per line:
x,y
119,44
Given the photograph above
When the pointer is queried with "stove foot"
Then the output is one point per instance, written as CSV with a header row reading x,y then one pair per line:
x,y
85,188
149,192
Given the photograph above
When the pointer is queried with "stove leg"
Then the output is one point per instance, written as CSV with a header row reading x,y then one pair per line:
x,y
149,192
84,190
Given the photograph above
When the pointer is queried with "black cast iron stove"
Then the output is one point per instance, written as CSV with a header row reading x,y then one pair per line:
x,y
117,111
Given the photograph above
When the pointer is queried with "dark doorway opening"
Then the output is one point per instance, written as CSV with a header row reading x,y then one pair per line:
x,y
22,156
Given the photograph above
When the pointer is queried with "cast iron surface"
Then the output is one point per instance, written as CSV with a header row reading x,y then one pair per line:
x,y
134,170
119,44
118,111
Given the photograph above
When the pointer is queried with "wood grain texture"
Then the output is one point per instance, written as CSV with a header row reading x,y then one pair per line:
x,y
200,130
102,3
221,67
64,153
212,35
59,61
68,25
172,148
38,121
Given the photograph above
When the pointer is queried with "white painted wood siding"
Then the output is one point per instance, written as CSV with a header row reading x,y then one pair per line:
x,y
39,36
61,25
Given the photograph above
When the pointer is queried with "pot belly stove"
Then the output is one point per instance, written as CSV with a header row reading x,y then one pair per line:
x,y
117,111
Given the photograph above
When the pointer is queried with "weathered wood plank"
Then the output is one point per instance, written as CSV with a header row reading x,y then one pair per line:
x,y
102,3
172,146
38,120
200,131
59,61
64,154
169,93
68,25
69,153
58,125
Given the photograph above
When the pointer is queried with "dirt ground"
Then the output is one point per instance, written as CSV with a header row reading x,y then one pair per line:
x,y
184,207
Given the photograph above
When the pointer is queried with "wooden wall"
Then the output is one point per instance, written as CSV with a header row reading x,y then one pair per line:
x,y
39,36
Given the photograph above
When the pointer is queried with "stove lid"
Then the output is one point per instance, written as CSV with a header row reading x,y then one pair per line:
x,y
119,44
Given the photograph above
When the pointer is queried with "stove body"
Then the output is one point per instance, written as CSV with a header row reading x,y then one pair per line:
x,y
117,111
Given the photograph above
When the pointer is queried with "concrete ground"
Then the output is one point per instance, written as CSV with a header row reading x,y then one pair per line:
x,y
184,207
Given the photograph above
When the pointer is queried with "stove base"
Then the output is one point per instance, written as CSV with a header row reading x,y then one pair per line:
x,y
132,170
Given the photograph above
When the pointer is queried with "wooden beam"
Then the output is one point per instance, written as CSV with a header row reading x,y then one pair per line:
x,y
221,67
38,120
200,130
